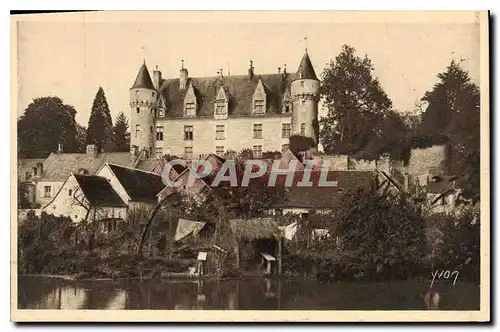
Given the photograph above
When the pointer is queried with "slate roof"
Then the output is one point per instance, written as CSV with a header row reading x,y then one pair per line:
x,y
306,69
143,80
58,166
98,191
326,197
27,165
140,186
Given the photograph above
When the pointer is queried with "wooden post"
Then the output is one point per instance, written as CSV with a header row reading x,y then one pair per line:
x,y
237,250
280,249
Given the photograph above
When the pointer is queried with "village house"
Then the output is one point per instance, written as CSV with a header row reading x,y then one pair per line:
x,y
87,197
28,173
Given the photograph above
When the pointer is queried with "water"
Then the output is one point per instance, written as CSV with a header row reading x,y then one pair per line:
x,y
251,294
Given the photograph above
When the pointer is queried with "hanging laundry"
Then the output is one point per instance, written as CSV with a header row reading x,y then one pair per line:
x,y
289,230
186,227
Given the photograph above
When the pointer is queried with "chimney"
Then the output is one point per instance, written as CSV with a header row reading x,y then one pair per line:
x,y
250,71
157,78
279,70
184,76
91,150
59,148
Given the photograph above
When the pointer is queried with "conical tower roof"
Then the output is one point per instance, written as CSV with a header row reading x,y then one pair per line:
x,y
143,80
306,69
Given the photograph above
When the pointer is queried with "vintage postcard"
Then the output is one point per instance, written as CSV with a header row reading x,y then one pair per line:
x,y
250,166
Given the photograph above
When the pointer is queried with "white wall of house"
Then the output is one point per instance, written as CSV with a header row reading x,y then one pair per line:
x,y
65,204
42,196
239,134
447,204
106,172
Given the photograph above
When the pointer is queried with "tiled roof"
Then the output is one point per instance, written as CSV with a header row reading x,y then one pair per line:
x,y
326,197
98,191
240,90
150,165
58,166
143,80
140,186
306,69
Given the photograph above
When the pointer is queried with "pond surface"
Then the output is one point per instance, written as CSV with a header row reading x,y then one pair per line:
x,y
250,294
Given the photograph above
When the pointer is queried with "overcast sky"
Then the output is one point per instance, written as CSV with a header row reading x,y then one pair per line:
x,y
72,59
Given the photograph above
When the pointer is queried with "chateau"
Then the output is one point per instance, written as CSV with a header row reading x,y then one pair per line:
x,y
193,116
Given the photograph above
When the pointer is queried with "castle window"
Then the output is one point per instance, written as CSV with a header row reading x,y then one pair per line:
x,y
302,102
188,133
137,110
47,191
257,151
160,113
285,147
287,108
220,131
137,130
258,106
301,84
302,129
159,151
257,131
153,93
190,109
286,130
159,133
188,152
219,150
220,107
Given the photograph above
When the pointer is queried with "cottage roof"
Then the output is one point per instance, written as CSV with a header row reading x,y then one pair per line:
x,y
239,88
27,165
98,191
58,166
306,69
143,80
141,186
326,197
441,184
253,229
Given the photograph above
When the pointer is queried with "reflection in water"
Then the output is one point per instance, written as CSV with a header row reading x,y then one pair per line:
x,y
249,294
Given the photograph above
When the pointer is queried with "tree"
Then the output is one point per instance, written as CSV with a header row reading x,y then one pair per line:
x,y
453,117
45,123
81,138
121,136
100,128
356,105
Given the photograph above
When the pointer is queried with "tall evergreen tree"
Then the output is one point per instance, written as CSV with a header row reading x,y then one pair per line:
x,y
121,135
45,123
357,107
100,128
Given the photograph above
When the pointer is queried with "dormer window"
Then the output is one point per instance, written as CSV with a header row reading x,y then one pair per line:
x,y
190,109
220,107
258,106
160,113
259,99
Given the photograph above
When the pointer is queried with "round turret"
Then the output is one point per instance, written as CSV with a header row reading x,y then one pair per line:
x,y
142,112
304,90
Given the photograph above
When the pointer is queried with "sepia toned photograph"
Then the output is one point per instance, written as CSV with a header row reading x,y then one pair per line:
x,y
250,166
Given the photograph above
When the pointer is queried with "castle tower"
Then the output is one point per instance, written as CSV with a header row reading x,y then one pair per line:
x,y
142,112
304,90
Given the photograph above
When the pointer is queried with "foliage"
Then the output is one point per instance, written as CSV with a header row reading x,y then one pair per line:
x,y
360,119
45,123
100,127
453,117
121,135
300,143
81,138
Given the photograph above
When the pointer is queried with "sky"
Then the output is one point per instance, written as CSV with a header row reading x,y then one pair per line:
x,y
72,58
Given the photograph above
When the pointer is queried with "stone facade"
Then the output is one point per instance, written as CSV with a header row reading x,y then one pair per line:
x,y
192,117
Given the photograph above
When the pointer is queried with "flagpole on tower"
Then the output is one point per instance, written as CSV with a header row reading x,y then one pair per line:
x,y
305,38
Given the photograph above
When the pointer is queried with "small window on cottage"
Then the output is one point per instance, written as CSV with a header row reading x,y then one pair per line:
x,y
257,151
188,133
159,133
35,171
220,107
137,130
220,131
190,109
258,106
257,131
70,192
302,129
286,130
285,147
47,191
219,150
